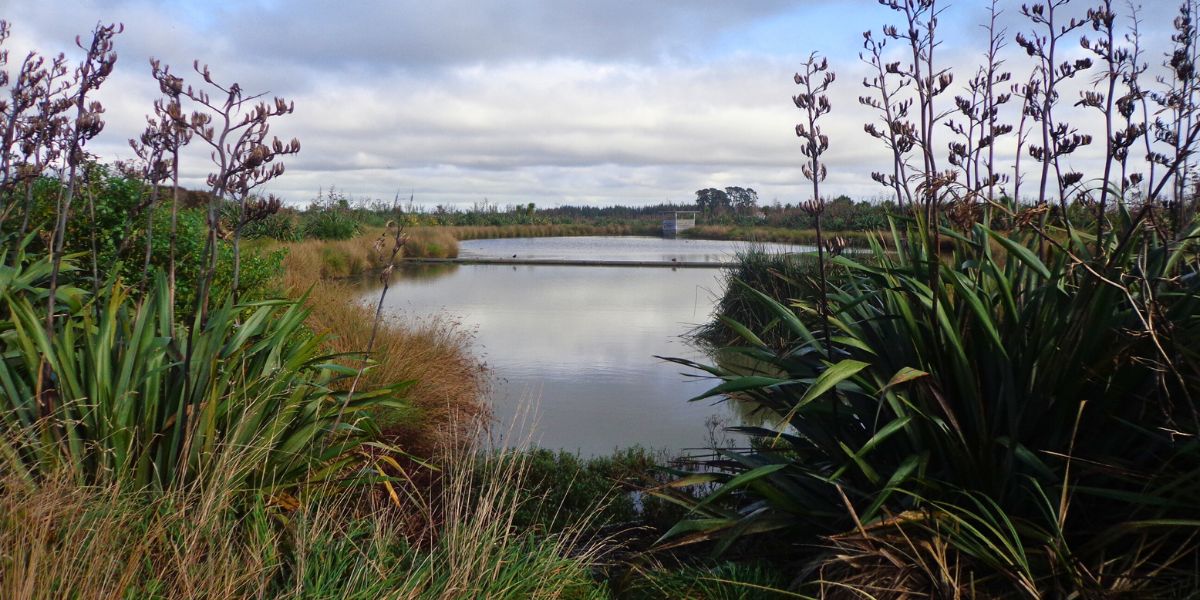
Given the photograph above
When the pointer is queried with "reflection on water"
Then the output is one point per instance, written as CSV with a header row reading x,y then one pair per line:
x,y
426,271
744,411
611,248
580,342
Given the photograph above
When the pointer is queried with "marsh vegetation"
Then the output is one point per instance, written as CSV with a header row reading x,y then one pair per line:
x,y
993,395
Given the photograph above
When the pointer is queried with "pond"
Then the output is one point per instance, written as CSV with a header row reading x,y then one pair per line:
x,y
576,345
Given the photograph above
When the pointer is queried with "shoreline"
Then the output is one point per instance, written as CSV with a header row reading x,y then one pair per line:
x,y
565,262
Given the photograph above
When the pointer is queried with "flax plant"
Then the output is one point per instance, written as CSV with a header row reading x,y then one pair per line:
x,y
897,133
171,135
1113,58
98,61
975,154
1058,139
814,101
150,148
110,386
122,386
1010,412
235,126
37,117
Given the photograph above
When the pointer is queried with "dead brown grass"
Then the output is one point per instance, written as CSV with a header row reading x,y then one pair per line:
x,y
451,382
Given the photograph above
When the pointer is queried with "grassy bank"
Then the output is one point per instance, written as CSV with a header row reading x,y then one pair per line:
x,y
740,233
442,241
436,353
352,257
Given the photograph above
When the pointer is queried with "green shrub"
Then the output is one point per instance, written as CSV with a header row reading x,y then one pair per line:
x,y
259,271
328,223
283,226
120,233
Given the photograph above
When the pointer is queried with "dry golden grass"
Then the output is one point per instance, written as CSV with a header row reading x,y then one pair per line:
x,y
211,540
431,242
60,539
312,260
450,380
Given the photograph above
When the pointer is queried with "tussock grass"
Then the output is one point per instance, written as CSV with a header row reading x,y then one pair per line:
x,y
431,242
719,581
482,551
59,539
311,260
62,539
450,382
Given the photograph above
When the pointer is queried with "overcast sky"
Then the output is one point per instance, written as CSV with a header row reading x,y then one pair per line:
x,y
546,101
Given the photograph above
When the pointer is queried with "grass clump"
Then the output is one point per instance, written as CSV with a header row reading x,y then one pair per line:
x,y
449,382
604,491
430,242
725,580
781,275
454,538
329,218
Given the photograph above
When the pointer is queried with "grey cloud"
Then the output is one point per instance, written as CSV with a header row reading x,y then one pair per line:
x,y
550,102
419,34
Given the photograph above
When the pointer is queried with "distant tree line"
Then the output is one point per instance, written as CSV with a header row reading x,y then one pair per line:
x,y
334,215
736,200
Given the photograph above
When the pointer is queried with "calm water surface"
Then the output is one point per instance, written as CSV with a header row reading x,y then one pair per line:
x,y
579,343
608,248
